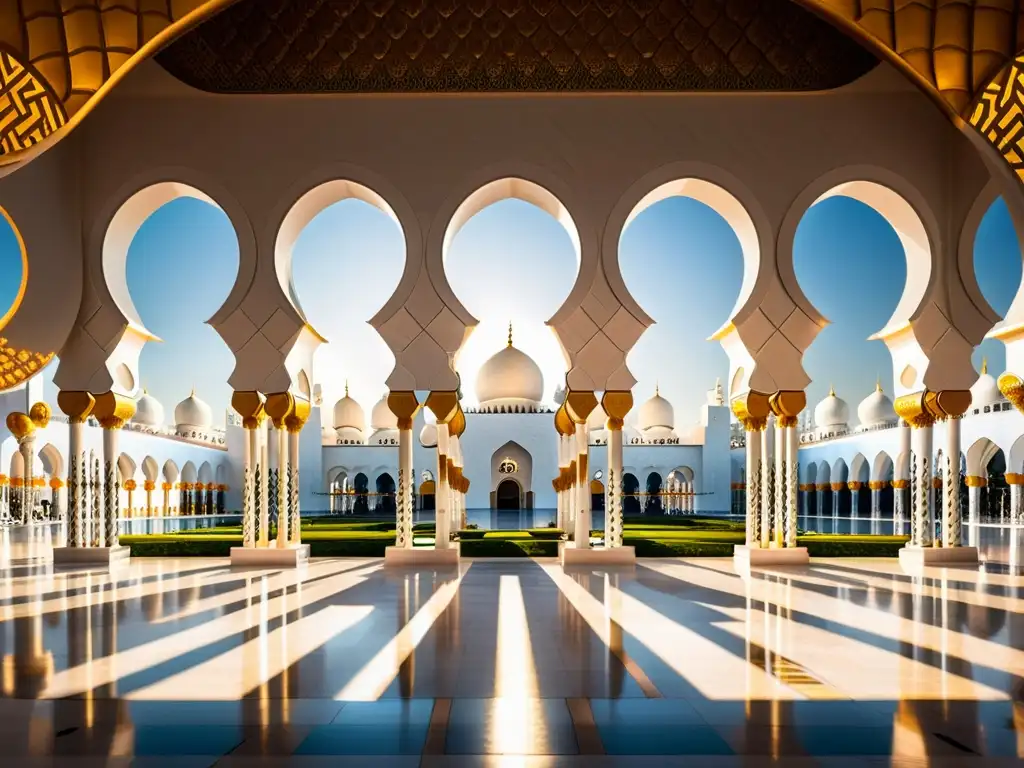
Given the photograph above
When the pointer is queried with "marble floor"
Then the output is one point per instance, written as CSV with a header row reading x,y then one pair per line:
x,y
507,662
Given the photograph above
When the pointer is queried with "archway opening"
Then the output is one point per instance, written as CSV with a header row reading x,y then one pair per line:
x,y
511,254
689,256
508,495
997,270
361,488
341,252
597,492
170,260
427,491
385,494
653,505
13,269
630,494
876,233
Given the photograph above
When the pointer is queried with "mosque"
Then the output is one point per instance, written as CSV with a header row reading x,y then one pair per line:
x,y
510,448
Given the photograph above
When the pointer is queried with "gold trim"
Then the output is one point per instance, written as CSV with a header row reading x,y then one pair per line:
x,y
616,405
975,481
112,410
403,404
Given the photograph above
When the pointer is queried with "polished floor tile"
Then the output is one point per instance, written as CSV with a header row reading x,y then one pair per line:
x,y
501,663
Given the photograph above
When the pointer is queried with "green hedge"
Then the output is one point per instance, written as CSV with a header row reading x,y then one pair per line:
x,y
546,534
471,534
677,547
508,548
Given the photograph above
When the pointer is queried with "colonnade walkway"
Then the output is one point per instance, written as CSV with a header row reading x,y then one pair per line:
x,y
343,662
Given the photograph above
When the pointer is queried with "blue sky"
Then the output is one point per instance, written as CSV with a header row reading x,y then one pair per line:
x,y
512,262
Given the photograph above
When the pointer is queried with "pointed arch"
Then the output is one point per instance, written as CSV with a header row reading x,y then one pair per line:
x,y
205,473
979,455
150,469
126,466
882,469
859,470
170,471
52,460
520,458
188,472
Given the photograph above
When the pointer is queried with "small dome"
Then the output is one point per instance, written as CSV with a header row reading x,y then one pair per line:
x,y
428,435
193,412
831,412
381,417
656,413
876,409
985,390
148,411
348,414
510,377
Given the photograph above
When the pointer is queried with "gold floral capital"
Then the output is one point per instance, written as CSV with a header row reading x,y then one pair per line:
x,y
563,423
149,485
20,425
296,420
76,404
752,410
786,405
824,486
40,414
616,405
579,405
953,403
838,486
975,481
1012,387
900,485
914,409
878,485
443,405
112,410
56,483
279,407
405,406
1014,478
457,425
250,406
855,485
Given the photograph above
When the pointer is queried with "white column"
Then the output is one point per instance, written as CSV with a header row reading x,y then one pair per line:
x,y
753,450
973,504
111,508
442,500
283,507
792,481
920,535
582,488
778,535
952,519
1016,503
27,448
294,513
405,472
876,503
76,460
613,503
263,508
456,448
249,521
767,484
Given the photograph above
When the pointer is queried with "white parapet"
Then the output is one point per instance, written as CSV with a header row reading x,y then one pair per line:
x,y
915,558
270,557
746,557
416,557
611,556
90,556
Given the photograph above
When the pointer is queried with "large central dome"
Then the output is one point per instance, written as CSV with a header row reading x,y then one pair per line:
x,y
510,377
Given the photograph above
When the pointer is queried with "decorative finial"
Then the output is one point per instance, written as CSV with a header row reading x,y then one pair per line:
x,y
831,391
346,387
657,389
193,392
510,333
984,365
878,384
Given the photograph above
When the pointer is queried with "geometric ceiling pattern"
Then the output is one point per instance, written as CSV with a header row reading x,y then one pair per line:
x,y
304,46
57,56
999,116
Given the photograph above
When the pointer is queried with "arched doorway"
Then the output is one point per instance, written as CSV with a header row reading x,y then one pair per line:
x,y
654,486
508,495
361,485
385,494
597,493
630,489
428,499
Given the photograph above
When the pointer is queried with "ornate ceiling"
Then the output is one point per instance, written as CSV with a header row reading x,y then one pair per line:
x,y
58,58
290,46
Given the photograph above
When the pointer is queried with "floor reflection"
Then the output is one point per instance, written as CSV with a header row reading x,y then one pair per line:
x,y
163,657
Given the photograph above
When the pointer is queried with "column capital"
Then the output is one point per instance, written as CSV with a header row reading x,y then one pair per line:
x,y
838,486
971,481
752,410
855,485
1014,478
112,410
457,425
279,407
443,405
249,404
786,404
878,485
902,485
76,404
579,405
405,406
1012,387
20,425
616,405
953,403
919,409
563,422
296,420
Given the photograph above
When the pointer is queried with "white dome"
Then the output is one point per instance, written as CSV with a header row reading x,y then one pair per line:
x,y
985,390
348,414
876,409
193,412
831,412
428,435
148,411
656,412
510,377
381,417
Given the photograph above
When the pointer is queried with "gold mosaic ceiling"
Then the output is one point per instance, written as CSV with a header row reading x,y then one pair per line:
x,y
289,46
58,58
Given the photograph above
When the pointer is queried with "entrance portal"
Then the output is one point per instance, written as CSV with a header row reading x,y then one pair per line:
x,y
508,495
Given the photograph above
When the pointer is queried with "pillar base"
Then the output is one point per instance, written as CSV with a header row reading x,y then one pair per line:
x,y
745,556
570,555
291,556
416,557
103,556
920,557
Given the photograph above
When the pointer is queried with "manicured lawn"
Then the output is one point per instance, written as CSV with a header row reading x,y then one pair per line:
x,y
661,537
